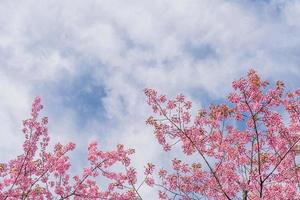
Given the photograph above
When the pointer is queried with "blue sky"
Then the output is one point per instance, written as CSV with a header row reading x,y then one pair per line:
x,y
90,61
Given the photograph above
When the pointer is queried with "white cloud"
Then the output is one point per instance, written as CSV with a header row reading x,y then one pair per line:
x,y
126,46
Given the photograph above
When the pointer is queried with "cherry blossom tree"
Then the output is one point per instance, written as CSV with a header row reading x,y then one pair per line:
x,y
42,174
246,148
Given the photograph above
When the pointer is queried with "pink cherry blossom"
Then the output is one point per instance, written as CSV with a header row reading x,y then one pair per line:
x,y
246,147
39,173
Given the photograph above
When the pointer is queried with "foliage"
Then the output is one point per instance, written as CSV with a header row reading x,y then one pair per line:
x,y
248,149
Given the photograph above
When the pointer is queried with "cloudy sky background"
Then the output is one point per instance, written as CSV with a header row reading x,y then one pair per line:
x,y
90,61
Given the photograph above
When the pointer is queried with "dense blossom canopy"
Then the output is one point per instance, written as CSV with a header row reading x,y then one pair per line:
x,y
40,174
247,148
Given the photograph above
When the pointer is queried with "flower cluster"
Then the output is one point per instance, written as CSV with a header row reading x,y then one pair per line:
x,y
246,147
42,174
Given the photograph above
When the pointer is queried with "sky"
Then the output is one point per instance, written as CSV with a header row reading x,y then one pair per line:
x,y
90,61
